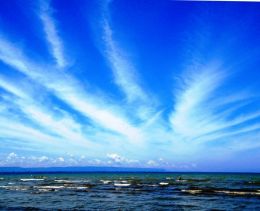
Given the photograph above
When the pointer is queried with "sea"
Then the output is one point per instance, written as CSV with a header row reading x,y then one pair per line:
x,y
130,191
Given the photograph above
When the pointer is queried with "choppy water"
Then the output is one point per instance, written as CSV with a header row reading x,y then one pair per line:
x,y
130,191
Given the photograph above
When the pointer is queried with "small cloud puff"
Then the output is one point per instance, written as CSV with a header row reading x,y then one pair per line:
x,y
11,156
117,159
152,163
43,158
61,159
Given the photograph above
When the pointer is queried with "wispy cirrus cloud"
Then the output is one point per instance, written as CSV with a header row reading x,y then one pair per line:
x,y
68,90
198,117
53,122
47,125
52,35
191,116
41,106
124,73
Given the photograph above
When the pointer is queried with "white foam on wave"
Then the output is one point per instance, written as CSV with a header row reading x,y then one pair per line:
x,y
10,187
43,190
49,187
122,184
181,180
81,188
152,185
229,192
77,187
30,179
67,181
192,191
61,180
238,192
4,186
106,181
163,183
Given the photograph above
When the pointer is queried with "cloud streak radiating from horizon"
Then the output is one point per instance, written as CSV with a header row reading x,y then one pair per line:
x,y
187,102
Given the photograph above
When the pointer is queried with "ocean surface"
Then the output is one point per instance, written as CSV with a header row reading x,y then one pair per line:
x,y
130,191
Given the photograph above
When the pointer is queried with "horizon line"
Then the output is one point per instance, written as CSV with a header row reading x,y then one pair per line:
x,y
60,169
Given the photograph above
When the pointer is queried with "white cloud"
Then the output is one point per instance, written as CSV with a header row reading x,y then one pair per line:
x,y
60,159
152,163
13,129
124,72
64,126
11,156
116,158
137,126
12,159
197,111
43,159
191,117
68,89
55,43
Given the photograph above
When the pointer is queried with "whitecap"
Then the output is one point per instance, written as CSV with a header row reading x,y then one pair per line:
x,y
30,179
49,187
163,183
66,181
4,186
153,185
181,180
192,191
122,184
70,181
43,190
238,192
9,187
106,181
81,188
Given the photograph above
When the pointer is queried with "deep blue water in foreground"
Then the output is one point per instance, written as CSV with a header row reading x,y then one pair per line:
x,y
130,191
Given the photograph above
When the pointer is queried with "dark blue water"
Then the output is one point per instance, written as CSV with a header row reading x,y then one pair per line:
x,y
130,191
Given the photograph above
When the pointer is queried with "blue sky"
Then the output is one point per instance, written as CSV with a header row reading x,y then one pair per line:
x,y
130,83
